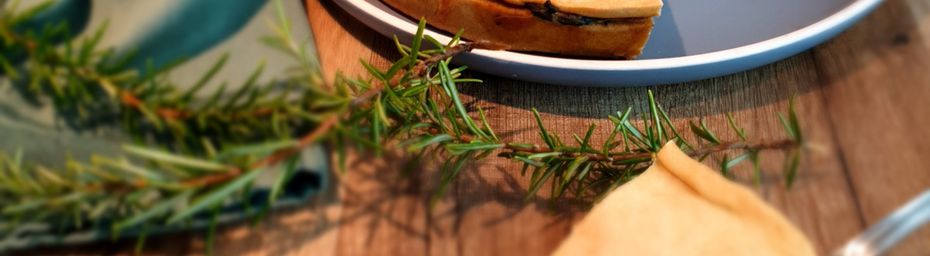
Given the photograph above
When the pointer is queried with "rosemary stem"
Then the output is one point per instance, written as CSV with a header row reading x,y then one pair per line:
x,y
419,70
621,156
327,124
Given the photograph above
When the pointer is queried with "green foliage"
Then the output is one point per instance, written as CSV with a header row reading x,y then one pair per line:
x,y
196,150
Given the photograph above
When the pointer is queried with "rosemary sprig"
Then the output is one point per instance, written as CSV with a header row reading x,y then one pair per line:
x,y
194,153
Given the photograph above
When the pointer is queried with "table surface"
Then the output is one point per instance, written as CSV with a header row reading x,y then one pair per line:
x,y
861,99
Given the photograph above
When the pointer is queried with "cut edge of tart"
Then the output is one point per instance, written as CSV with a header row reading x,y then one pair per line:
x,y
615,29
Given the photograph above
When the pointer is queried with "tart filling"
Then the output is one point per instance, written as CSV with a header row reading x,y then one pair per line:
x,y
611,9
549,12
587,12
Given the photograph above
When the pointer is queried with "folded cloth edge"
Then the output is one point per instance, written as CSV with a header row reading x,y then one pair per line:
x,y
739,201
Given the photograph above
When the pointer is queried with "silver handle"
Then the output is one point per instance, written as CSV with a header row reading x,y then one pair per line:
x,y
888,232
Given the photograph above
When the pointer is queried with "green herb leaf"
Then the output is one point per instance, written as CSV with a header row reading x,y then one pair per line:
x,y
286,174
656,123
542,130
216,196
184,161
457,149
792,163
704,133
156,210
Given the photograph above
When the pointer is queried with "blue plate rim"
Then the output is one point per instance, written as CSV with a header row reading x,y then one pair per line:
x,y
612,73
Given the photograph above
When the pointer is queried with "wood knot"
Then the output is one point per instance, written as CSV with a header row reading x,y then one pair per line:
x,y
900,39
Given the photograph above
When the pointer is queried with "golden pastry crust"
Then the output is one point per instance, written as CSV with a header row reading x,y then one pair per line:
x,y
518,28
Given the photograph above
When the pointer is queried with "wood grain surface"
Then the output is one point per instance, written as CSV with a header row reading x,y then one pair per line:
x,y
862,99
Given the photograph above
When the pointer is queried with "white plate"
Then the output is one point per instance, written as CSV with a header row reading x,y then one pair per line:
x,y
693,39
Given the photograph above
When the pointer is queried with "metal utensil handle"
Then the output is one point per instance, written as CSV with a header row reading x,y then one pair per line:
x,y
891,230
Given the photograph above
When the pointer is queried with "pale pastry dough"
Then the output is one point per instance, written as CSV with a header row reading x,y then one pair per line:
x,y
681,207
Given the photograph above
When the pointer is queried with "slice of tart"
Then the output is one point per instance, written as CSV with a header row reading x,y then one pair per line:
x,y
596,28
